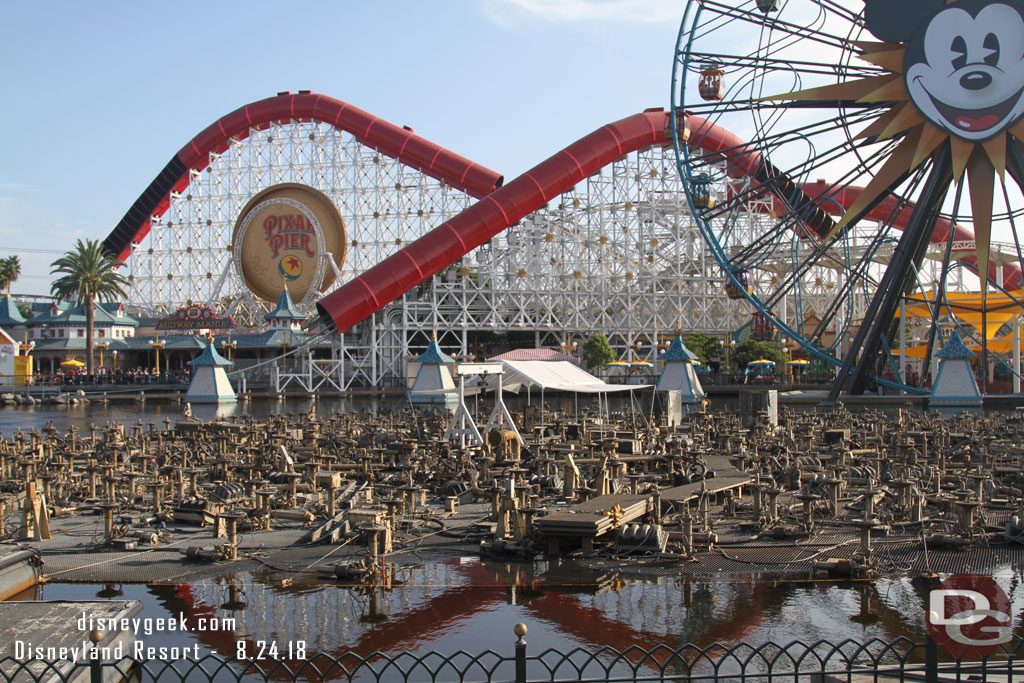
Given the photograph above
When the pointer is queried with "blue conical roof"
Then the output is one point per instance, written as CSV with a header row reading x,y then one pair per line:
x,y
10,316
285,308
209,357
434,354
955,348
677,351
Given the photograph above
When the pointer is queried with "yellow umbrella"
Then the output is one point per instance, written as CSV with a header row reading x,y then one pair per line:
x,y
72,363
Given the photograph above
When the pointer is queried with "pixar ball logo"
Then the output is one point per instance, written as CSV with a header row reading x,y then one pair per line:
x,y
290,267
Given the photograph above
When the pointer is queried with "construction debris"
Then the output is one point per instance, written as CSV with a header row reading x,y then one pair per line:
x,y
835,493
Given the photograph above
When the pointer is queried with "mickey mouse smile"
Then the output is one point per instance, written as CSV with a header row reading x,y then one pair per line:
x,y
976,120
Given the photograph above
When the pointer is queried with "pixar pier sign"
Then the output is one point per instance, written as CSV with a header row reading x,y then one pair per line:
x,y
289,235
969,617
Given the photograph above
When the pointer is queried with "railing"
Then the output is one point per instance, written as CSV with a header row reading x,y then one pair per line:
x,y
822,661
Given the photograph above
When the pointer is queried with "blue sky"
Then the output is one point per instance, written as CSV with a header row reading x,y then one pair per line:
x,y
100,95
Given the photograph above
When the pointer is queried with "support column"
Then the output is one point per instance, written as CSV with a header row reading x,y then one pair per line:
x,y
879,315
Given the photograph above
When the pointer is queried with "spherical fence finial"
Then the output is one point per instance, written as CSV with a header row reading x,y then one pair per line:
x,y
520,630
95,635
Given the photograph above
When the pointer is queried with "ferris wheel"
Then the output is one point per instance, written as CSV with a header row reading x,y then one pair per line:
x,y
848,161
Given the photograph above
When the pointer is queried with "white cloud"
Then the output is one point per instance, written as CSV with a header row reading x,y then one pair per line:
x,y
585,11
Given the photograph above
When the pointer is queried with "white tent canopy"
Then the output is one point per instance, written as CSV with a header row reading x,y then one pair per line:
x,y
557,376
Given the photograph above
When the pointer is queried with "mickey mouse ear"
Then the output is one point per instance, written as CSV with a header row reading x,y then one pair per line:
x,y
894,21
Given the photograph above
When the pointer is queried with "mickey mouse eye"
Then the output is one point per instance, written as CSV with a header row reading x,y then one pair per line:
x,y
959,47
992,45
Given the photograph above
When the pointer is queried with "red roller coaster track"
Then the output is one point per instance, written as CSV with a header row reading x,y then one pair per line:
x,y
499,207
397,274
367,293
394,141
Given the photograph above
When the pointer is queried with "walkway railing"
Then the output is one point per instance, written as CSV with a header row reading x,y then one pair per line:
x,y
796,662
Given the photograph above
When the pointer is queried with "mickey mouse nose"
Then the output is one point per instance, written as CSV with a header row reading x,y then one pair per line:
x,y
975,80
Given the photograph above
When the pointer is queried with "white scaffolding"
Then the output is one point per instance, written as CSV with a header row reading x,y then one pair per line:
x,y
619,254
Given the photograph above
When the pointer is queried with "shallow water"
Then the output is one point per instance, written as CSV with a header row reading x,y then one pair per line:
x,y
13,418
466,604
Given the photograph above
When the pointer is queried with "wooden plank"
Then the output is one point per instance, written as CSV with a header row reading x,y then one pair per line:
x,y
688,492
589,518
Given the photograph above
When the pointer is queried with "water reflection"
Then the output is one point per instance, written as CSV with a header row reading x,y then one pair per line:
x,y
464,603
36,416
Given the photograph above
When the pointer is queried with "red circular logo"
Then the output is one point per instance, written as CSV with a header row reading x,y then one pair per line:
x,y
968,616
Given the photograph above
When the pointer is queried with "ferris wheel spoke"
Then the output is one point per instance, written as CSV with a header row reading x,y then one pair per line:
x,y
1015,168
768,65
804,32
780,184
884,303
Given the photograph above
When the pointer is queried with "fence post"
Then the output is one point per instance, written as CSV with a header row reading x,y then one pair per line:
x,y
95,663
520,630
931,660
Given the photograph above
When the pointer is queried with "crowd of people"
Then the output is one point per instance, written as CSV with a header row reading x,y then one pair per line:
x,y
120,376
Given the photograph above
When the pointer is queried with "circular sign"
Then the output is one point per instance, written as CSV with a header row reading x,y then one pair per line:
x,y
968,616
288,234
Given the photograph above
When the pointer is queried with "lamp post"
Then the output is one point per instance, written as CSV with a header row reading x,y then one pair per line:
x,y
787,350
569,346
157,345
727,346
113,369
101,347
228,346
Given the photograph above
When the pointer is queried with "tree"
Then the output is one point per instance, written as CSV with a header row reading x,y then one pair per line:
x,y
14,270
597,352
705,346
750,350
10,270
88,275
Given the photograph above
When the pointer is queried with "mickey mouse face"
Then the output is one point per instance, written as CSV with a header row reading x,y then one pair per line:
x,y
964,67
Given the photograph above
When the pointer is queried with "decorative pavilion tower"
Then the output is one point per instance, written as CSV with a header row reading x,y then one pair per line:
x,y
434,386
210,383
955,389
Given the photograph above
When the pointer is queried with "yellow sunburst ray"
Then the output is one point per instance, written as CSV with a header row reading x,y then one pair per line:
x,y
893,90
871,47
996,150
931,137
961,153
907,116
878,126
981,182
891,59
898,164
852,91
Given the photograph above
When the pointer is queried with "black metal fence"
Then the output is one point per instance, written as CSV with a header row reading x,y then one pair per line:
x,y
820,662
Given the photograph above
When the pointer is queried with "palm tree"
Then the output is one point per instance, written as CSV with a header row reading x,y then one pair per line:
x,y
10,271
87,275
6,274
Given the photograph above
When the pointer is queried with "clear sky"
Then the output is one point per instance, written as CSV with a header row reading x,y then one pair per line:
x,y
98,96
